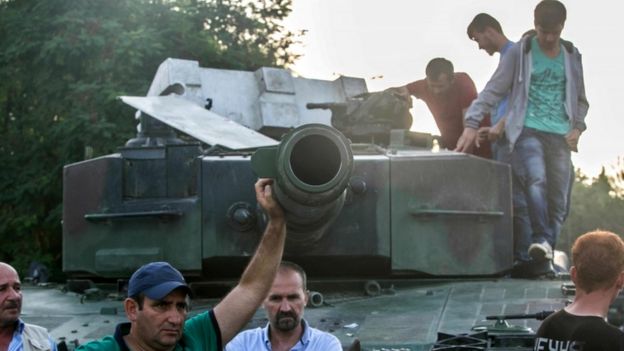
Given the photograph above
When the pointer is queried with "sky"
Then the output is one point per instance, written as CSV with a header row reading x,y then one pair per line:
x,y
389,43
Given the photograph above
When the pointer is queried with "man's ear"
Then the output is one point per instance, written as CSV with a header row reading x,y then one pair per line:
x,y
573,274
306,297
619,283
132,308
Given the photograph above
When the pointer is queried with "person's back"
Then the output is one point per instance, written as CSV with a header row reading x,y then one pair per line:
x,y
566,331
598,274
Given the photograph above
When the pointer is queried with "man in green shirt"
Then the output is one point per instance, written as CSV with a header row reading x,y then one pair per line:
x,y
157,303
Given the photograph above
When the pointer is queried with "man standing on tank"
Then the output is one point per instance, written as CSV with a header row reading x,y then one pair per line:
x,y
487,32
546,116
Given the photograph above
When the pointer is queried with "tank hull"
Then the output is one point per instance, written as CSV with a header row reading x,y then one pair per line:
x,y
405,315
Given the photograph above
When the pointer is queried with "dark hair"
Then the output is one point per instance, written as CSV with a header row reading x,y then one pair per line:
x,y
480,23
287,265
439,66
549,14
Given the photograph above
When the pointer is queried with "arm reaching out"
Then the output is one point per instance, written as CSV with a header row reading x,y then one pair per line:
x,y
497,130
237,308
466,140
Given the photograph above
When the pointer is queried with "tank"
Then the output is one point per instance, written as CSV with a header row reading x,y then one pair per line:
x,y
406,247
182,190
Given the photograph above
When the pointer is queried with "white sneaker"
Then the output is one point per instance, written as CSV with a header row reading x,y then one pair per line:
x,y
541,251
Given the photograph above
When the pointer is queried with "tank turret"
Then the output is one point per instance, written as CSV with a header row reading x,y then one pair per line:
x,y
396,208
369,117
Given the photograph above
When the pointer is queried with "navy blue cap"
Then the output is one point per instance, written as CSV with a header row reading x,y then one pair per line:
x,y
156,280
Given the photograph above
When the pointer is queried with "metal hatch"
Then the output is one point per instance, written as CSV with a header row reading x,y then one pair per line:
x,y
198,122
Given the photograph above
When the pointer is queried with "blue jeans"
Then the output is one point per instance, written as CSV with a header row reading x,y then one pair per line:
x,y
541,163
501,151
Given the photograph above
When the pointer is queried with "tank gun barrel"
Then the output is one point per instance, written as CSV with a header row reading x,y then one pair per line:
x,y
326,105
539,316
312,166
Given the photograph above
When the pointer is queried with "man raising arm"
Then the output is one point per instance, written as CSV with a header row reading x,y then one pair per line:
x,y
157,303
241,303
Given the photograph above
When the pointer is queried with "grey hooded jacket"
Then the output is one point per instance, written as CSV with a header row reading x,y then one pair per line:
x,y
513,75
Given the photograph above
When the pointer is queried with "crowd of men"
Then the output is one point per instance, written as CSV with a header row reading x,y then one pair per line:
x,y
530,115
537,104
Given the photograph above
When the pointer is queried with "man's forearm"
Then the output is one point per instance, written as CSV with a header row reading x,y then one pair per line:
x,y
236,308
263,265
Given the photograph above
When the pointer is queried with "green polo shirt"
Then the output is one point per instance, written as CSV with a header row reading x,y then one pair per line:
x,y
201,333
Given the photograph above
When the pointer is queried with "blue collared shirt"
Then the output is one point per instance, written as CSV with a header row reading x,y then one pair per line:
x,y
502,105
17,343
312,339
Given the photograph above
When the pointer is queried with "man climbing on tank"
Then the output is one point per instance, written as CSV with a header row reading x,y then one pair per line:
x,y
544,121
447,94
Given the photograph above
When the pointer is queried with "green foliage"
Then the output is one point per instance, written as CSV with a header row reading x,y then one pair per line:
x,y
62,65
595,205
616,180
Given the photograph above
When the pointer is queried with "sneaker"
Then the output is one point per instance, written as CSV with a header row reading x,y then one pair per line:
x,y
541,251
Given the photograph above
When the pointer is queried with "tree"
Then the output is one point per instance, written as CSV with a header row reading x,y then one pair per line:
x,y
616,179
595,205
62,65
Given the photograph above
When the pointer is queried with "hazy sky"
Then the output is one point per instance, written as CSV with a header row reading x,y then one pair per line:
x,y
389,43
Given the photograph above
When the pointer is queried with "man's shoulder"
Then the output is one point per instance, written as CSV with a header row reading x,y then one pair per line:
x,y
464,87
251,333
506,47
323,336
563,323
463,78
570,47
417,87
202,332
107,343
33,328
250,339
38,337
